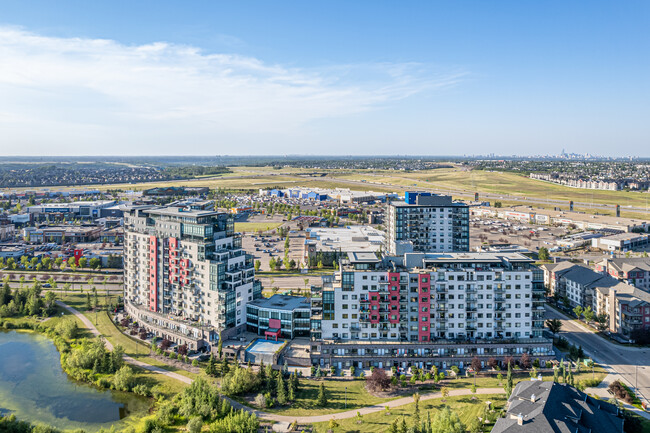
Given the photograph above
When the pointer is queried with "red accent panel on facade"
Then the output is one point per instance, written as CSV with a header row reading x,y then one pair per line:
x,y
153,273
393,291
424,302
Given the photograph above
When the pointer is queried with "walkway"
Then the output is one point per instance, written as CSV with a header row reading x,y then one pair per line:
x,y
88,324
284,419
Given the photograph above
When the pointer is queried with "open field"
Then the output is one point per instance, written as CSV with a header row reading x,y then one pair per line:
x,y
307,395
466,408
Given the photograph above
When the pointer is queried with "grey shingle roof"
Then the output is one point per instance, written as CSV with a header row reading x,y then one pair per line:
x,y
549,407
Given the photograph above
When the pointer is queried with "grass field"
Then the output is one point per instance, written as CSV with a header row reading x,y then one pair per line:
x,y
498,183
253,227
305,403
466,408
133,347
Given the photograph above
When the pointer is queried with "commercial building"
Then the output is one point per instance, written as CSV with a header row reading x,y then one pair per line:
x,y
627,307
543,407
583,221
634,270
186,276
332,243
621,242
425,222
78,209
62,234
429,309
279,316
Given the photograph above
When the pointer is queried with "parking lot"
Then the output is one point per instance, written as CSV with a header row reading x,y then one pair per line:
x,y
498,231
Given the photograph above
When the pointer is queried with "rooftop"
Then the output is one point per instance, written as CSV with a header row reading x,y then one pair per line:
x,y
553,407
282,302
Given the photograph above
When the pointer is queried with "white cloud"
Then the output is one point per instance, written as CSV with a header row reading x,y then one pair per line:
x,y
74,92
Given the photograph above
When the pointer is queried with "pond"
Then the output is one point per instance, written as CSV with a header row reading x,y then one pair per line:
x,y
34,387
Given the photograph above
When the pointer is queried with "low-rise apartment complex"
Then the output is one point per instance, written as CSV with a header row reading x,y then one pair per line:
x,y
634,271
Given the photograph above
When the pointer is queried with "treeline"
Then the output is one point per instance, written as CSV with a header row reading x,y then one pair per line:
x,y
194,170
26,301
198,405
273,386
46,263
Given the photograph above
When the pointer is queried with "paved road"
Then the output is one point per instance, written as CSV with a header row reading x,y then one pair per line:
x,y
622,360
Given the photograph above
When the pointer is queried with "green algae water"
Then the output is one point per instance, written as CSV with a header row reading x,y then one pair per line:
x,y
34,387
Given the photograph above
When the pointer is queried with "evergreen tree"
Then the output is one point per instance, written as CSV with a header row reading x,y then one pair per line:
x,y
394,426
280,390
509,385
403,428
211,368
322,398
220,346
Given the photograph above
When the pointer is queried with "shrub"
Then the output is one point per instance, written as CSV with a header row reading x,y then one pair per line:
x,y
260,401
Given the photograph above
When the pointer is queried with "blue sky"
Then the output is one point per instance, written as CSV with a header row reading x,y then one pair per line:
x,y
324,77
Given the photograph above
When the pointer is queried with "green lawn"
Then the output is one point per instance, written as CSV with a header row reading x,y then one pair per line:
x,y
305,403
133,347
466,408
253,227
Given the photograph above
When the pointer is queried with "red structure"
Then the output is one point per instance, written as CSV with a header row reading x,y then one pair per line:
x,y
424,304
273,332
77,255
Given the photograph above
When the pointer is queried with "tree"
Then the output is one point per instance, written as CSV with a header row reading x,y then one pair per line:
x,y
220,347
195,424
394,426
322,397
509,385
602,322
211,368
333,424
258,265
124,379
281,390
476,364
524,361
378,380
543,254
578,311
446,421
416,412
554,325
589,314
444,391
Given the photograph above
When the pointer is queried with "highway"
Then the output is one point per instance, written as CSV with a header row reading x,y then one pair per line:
x,y
623,360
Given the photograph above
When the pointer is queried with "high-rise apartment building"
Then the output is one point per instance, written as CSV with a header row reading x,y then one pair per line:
x,y
427,222
186,277
486,304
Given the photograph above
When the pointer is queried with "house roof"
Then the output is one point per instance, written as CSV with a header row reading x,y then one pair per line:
x,y
587,278
559,408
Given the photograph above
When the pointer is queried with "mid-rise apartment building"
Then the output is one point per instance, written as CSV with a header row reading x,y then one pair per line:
x,y
630,270
444,308
627,307
427,223
186,277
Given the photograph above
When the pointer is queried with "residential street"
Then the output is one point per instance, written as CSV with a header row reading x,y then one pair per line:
x,y
623,360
